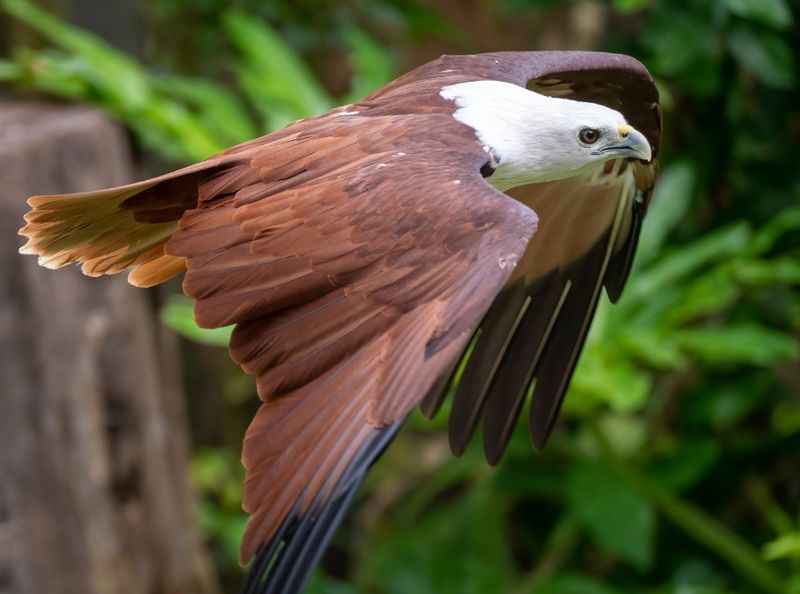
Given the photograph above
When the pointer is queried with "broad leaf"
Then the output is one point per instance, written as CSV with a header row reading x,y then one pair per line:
x,y
669,206
676,266
619,520
573,584
737,344
463,550
764,55
775,13
687,464
178,314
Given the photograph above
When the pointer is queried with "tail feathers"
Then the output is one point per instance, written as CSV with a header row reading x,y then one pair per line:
x,y
124,228
287,561
95,230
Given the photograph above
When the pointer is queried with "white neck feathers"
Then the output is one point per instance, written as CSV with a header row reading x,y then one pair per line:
x,y
531,135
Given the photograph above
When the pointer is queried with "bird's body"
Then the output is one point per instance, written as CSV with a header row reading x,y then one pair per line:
x,y
357,253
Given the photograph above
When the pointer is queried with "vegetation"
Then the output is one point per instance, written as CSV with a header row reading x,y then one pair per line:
x,y
676,467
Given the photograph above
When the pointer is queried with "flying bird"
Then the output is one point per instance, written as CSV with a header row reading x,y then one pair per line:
x,y
361,253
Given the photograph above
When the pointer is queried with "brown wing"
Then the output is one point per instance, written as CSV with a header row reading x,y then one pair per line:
x,y
354,253
531,338
351,289
533,334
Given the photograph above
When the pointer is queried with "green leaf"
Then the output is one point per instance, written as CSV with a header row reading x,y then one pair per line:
x,y
764,55
125,71
461,549
615,382
675,267
668,209
786,418
573,584
775,13
767,236
683,47
322,584
627,434
786,546
746,343
9,71
232,533
653,347
688,464
721,405
768,273
91,70
220,111
271,73
372,65
619,520
706,295
697,576
631,5
178,314
218,475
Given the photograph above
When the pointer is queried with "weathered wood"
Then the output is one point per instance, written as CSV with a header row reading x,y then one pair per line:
x,y
94,496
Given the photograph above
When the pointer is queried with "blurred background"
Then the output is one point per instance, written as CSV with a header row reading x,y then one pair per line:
x,y
676,466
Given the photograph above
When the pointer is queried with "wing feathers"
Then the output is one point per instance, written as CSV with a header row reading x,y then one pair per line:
x,y
536,327
619,268
503,318
512,382
351,295
558,361
284,564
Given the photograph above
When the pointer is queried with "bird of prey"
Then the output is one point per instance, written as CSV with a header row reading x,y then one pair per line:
x,y
361,253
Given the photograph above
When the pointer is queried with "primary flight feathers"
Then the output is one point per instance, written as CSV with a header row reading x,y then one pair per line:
x,y
358,252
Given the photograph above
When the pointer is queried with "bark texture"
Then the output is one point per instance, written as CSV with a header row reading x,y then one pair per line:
x,y
94,496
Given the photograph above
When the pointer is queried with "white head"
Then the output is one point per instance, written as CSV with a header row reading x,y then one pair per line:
x,y
536,138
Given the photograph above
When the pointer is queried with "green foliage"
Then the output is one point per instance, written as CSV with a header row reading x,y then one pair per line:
x,y
774,13
785,547
178,314
573,584
765,56
218,475
179,117
275,80
473,526
615,516
666,320
674,470
83,67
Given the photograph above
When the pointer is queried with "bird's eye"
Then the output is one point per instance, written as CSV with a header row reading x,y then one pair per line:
x,y
589,135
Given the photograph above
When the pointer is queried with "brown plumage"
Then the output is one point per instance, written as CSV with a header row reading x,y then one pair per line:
x,y
356,253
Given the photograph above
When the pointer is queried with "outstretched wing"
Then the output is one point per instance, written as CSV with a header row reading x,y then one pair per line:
x,y
533,334
530,340
352,289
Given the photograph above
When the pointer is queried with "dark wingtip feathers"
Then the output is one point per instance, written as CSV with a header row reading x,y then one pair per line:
x,y
285,563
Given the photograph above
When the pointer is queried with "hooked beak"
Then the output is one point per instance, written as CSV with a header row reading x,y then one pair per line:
x,y
632,144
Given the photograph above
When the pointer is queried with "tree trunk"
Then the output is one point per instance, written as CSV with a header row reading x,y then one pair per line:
x,y
94,494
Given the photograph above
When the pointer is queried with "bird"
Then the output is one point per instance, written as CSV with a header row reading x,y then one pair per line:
x,y
449,234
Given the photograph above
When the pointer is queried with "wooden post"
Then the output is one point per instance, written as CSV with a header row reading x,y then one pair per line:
x,y
94,494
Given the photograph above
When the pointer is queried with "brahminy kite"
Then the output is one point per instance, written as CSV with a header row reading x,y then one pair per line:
x,y
359,254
